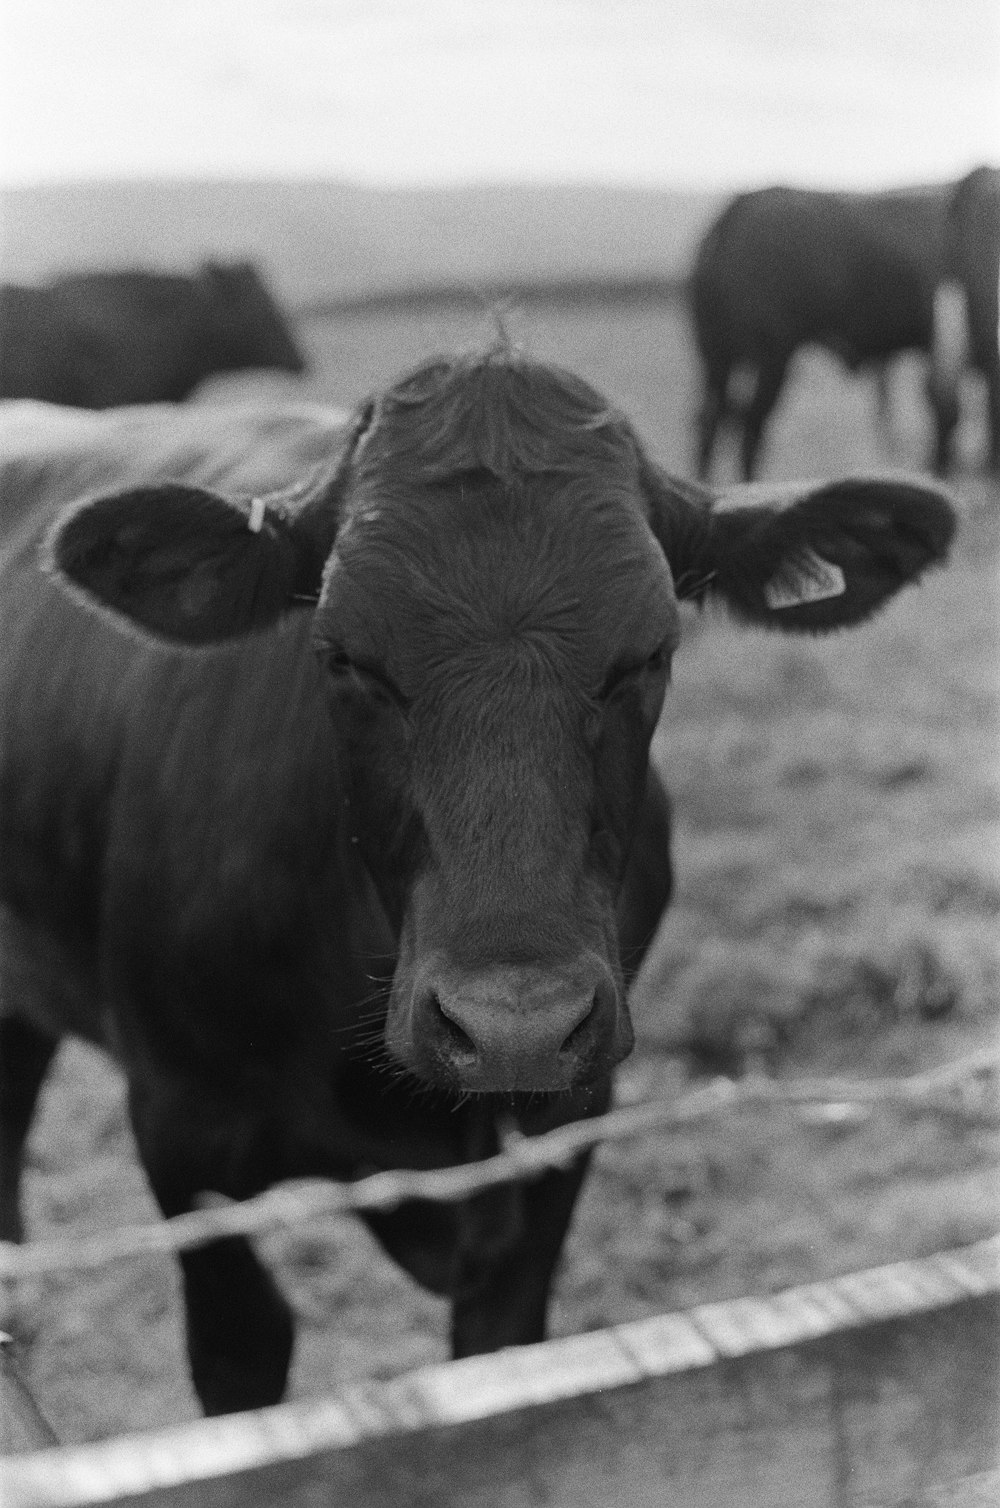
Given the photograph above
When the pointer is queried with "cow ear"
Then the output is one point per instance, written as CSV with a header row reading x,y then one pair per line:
x,y
178,561
806,556
822,556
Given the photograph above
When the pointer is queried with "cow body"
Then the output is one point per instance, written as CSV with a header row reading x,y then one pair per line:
x,y
973,263
784,268
102,340
330,814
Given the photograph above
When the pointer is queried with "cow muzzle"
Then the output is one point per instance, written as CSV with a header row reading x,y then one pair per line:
x,y
514,1028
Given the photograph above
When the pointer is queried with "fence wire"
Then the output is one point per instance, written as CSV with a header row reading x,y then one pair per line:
x,y
966,1086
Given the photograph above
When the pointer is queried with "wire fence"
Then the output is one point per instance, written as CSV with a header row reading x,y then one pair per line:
x,y
966,1086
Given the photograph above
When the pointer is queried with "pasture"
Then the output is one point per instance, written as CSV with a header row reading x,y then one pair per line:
x,y
836,912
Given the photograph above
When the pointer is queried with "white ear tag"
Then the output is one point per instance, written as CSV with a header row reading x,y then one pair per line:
x,y
257,510
809,579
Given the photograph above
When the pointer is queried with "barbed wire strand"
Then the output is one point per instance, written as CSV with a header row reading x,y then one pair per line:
x,y
302,1201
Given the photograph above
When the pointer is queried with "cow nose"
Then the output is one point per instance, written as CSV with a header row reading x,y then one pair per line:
x,y
492,1028
512,1028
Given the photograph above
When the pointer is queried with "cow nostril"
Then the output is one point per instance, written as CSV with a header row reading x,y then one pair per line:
x,y
576,1041
457,1040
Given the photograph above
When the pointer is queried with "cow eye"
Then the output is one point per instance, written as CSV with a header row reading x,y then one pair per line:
x,y
364,676
628,674
658,661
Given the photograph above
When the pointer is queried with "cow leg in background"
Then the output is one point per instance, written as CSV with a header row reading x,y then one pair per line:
x,y
770,376
493,1255
944,407
711,412
993,402
942,390
949,361
239,1324
502,1293
25,1054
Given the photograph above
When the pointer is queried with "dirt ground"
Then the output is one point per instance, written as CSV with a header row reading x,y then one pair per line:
x,y
838,892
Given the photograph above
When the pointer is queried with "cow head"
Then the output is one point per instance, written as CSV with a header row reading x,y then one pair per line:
x,y
496,567
245,326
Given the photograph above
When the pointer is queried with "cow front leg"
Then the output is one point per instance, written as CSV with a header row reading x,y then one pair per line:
x,y
942,398
993,402
770,377
239,1328
711,412
239,1325
502,1292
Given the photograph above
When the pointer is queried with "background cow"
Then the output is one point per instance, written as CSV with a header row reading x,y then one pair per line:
x,y
972,260
784,268
102,339
331,815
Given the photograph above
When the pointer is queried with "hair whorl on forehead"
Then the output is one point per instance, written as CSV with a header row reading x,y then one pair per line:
x,y
494,411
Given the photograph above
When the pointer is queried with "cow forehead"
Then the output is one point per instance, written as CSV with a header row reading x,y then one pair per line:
x,y
439,573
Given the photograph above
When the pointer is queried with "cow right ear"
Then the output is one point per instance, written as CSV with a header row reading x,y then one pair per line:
x,y
180,562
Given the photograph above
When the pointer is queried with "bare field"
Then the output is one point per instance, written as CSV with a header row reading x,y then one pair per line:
x,y
838,894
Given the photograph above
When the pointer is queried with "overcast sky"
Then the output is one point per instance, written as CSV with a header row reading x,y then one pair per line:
x,y
702,93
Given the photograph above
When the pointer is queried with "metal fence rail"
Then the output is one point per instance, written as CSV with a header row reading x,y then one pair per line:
x,y
965,1086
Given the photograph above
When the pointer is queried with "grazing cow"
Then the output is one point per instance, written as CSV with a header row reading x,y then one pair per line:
x,y
103,339
330,813
972,264
784,268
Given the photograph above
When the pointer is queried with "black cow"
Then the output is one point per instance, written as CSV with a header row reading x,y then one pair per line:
x,y
973,262
103,339
330,813
784,268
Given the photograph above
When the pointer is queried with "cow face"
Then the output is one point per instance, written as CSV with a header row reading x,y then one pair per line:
x,y
496,566
497,640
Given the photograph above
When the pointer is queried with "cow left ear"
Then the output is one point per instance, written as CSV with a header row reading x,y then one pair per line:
x,y
803,557
181,562
822,556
